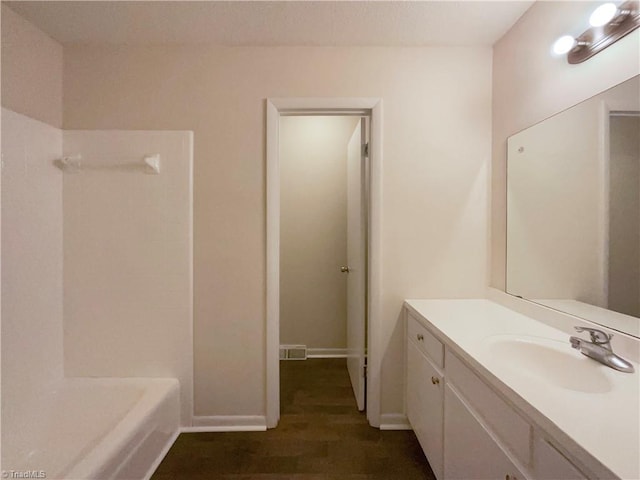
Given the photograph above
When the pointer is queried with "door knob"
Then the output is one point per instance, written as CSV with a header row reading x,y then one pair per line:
x,y
344,269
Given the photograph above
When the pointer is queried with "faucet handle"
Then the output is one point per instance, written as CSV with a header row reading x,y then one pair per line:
x,y
597,336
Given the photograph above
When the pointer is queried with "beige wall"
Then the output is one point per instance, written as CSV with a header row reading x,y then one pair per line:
x,y
437,127
31,70
530,84
31,267
313,230
127,258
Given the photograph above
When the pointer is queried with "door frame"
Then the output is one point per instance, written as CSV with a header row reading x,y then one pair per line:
x,y
275,108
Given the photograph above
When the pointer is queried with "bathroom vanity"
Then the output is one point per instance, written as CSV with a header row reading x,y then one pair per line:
x,y
492,393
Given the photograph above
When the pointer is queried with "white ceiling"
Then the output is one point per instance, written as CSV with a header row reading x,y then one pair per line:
x,y
268,23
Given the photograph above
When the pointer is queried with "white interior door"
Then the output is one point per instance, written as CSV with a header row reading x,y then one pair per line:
x,y
356,263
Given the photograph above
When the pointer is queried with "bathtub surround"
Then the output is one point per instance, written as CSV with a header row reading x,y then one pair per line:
x,y
39,405
130,274
128,260
32,267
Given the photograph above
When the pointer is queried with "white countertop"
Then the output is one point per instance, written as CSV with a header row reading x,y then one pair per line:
x,y
605,424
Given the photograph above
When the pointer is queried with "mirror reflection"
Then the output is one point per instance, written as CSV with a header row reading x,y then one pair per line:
x,y
573,210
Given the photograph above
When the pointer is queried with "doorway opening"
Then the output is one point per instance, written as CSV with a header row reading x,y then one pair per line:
x,y
323,225
323,266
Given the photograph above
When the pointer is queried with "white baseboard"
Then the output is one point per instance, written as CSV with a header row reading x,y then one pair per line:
x,y
227,423
394,421
326,353
154,466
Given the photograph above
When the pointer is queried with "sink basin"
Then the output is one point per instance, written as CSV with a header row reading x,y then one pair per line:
x,y
546,360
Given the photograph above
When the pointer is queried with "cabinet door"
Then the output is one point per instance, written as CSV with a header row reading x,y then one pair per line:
x,y
469,450
550,464
425,405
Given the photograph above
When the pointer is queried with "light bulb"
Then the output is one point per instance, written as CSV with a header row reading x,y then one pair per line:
x,y
603,14
564,44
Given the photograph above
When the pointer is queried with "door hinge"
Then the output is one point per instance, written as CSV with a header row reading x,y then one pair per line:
x,y
364,371
365,150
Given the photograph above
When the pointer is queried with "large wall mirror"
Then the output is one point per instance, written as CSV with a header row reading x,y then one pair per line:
x,y
573,210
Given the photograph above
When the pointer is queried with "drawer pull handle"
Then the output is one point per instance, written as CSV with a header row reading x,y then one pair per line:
x,y
436,381
510,477
420,337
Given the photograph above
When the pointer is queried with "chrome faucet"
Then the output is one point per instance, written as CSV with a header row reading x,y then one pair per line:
x,y
599,348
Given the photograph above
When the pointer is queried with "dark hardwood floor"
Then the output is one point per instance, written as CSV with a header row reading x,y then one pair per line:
x,y
321,436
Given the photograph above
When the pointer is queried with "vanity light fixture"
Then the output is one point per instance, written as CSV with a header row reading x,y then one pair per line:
x,y
609,23
564,44
603,14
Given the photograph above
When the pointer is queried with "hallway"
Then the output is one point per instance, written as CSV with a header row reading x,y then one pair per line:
x,y
321,436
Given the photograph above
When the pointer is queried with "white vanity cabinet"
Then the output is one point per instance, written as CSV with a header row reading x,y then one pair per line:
x,y
465,427
425,388
470,448
484,436
550,464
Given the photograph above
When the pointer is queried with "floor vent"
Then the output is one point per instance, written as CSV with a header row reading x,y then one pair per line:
x,y
293,352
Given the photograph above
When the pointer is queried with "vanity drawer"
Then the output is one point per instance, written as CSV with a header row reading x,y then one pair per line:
x,y
425,340
508,425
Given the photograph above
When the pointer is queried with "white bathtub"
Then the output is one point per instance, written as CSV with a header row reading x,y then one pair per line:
x,y
95,428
